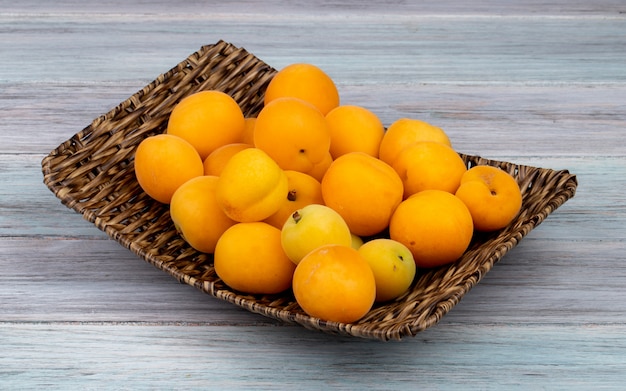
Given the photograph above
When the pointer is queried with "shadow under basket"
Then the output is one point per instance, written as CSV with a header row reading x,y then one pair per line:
x,y
92,173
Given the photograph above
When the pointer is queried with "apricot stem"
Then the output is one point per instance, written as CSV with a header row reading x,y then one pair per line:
x,y
296,216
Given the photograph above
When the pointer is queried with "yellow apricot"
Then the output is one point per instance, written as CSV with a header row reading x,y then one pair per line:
x,y
251,187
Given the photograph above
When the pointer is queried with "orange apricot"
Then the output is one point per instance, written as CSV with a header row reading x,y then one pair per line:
x,y
304,81
435,225
429,165
354,129
196,214
334,283
163,163
216,161
249,258
492,196
364,190
303,190
293,133
208,120
319,170
406,131
248,132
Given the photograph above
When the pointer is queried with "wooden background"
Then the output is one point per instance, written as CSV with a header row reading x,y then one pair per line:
x,y
532,82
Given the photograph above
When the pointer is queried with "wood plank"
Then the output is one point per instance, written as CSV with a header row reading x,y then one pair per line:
x,y
62,356
397,48
27,207
326,8
540,281
490,120
53,280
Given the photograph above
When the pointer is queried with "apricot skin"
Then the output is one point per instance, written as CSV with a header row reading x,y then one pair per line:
x,y
492,196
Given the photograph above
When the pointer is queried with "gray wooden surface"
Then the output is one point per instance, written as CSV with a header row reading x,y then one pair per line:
x,y
533,82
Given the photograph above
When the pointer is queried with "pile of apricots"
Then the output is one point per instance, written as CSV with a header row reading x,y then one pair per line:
x,y
316,196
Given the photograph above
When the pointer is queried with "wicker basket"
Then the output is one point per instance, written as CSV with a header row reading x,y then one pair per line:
x,y
92,173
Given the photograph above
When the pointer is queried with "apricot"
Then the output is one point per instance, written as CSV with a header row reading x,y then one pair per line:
x,y
248,132
492,196
304,81
435,225
392,264
354,129
216,161
429,165
252,187
196,214
334,283
310,227
303,190
293,133
319,170
249,258
357,241
406,131
364,190
207,120
163,163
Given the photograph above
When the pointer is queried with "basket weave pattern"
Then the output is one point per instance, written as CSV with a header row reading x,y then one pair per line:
x,y
92,173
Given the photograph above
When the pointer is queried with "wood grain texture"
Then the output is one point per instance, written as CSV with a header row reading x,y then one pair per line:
x,y
269,358
533,82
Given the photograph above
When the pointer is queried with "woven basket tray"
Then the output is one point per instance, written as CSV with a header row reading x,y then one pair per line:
x,y
92,173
